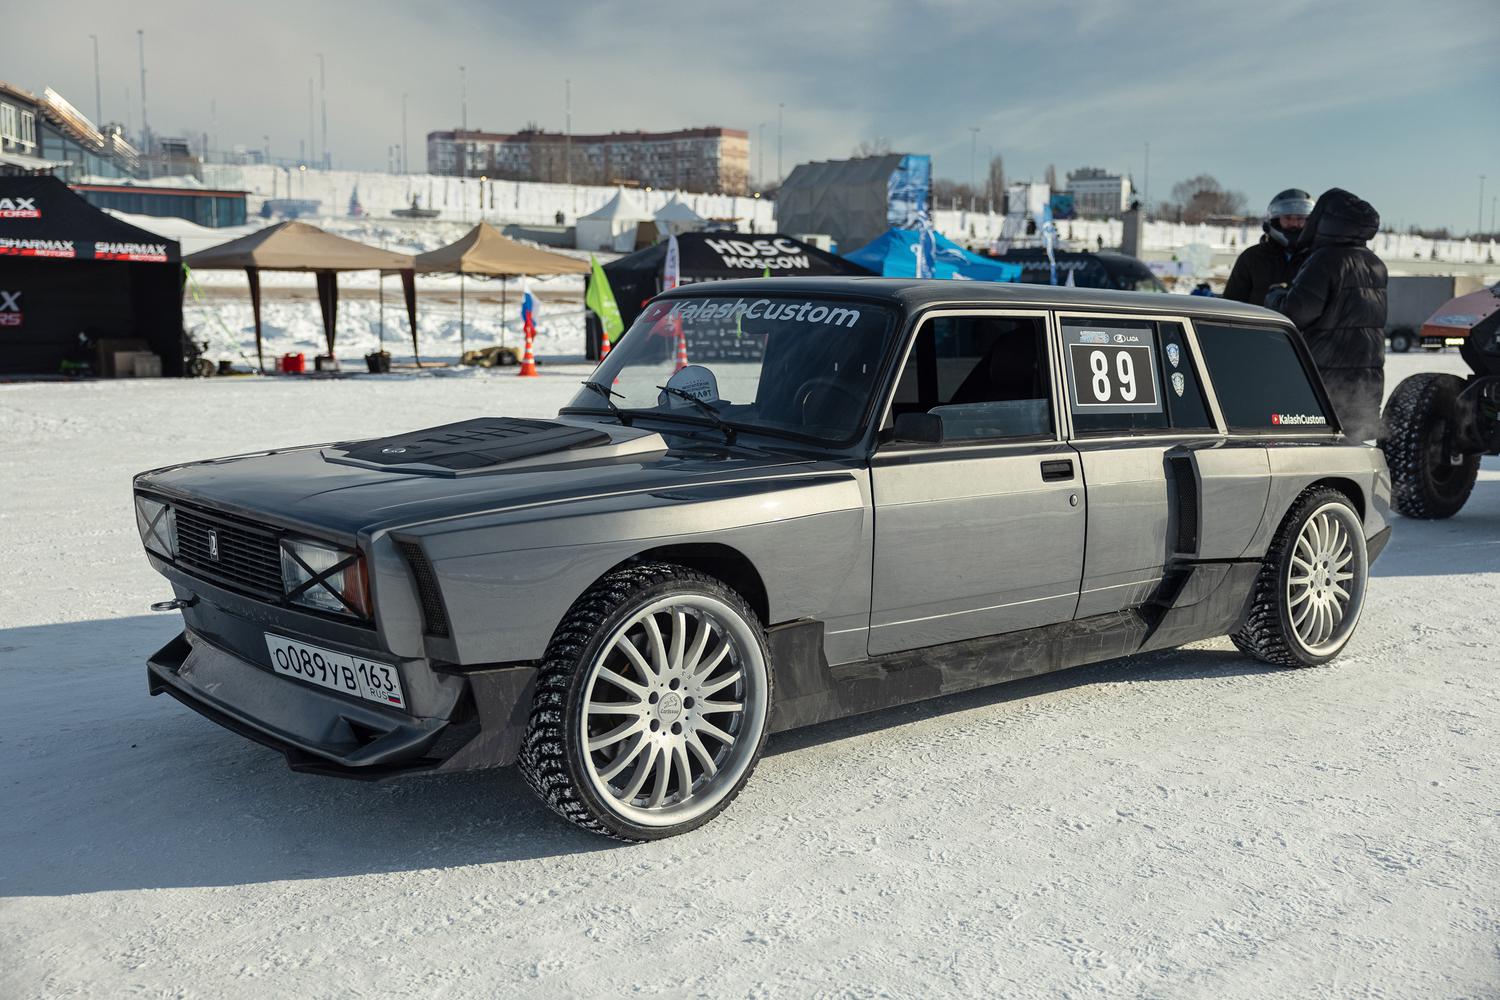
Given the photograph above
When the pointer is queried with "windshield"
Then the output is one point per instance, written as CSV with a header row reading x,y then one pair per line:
x,y
791,366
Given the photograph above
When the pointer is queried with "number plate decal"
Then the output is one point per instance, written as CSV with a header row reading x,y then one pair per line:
x,y
367,679
1112,370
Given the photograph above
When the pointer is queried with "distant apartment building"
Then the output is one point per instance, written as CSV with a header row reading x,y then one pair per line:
x,y
698,159
1098,195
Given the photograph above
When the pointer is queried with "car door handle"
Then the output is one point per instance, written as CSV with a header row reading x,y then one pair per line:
x,y
1057,471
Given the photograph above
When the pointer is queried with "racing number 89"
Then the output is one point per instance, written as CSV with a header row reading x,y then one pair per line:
x,y
1124,373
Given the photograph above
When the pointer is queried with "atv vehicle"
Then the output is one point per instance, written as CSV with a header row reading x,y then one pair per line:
x,y
1437,426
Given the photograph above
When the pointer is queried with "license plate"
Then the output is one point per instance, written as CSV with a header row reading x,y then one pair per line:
x,y
368,679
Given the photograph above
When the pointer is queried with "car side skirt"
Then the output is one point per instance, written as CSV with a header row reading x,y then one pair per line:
x,y
1201,601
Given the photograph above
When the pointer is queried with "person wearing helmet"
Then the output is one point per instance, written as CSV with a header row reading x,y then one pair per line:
x,y
1273,261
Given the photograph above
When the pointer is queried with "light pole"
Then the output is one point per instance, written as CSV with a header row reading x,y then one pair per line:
x,y
98,94
973,149
779,109
403,133
568,130
145,129
463,101
760,145
323,104
1481,203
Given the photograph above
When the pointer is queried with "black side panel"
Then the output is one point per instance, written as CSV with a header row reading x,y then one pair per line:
x,y
503,700
809,691
1185,493
467,445
1212,600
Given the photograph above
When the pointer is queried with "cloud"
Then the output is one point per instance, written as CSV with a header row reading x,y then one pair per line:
x,y
1072,82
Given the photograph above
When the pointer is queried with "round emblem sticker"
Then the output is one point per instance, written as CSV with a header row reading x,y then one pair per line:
x,y
1174,356
1179,384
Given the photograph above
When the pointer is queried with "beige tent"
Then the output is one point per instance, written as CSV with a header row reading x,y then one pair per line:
x,y
484,251
298,246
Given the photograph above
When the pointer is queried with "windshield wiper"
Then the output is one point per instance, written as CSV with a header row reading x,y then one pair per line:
x,y
605,392
713,415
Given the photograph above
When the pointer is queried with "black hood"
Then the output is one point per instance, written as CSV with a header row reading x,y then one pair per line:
x,y
1340,217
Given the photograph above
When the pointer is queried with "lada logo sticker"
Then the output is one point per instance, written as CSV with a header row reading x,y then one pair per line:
x,y
1179,384
1174,356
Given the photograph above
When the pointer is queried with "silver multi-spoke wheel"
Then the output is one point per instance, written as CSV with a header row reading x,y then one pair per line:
x,y
665,704
652,703
1311,585
1321,593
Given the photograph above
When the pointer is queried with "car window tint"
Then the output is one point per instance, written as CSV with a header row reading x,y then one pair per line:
x,y
1260,379
1113,370
1187,409
986,376
1131,376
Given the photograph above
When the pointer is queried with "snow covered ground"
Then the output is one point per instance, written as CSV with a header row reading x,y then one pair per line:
x,y
1186,824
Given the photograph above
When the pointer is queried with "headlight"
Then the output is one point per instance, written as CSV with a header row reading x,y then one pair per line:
x,y
158,526
325,577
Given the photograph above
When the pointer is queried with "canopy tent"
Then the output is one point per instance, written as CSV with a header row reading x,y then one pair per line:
x,y
713,257
73,280
298,246
675,218
484,251
612,227
894,255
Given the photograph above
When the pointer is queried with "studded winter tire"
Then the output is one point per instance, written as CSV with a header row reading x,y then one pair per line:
x,y
1311,587
1430,477
652,704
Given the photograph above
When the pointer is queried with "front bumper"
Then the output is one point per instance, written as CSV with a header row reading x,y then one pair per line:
x,y
326,733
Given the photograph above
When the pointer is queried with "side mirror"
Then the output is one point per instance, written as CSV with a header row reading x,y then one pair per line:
x,y
926,428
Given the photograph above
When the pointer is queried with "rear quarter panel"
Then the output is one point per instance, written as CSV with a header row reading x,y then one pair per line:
x,y
1297,465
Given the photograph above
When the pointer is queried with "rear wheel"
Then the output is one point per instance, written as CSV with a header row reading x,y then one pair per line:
x,y
652,705
1402,340
1430,477
1311,587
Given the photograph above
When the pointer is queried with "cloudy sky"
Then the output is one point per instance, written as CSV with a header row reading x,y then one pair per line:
x,y
1394,100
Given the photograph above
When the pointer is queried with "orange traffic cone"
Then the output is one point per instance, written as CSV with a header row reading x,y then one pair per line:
x,y
682,358
603,346
528,360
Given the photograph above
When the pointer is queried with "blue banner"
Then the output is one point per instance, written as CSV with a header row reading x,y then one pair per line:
x,y
908,191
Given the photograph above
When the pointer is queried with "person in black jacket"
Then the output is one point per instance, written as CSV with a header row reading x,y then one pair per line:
x,y
1271,262
1338,302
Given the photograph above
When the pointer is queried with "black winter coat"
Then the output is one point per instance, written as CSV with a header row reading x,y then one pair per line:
x,y
1337,299
1261,267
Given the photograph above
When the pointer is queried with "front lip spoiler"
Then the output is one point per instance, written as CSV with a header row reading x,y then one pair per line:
x,y
400,746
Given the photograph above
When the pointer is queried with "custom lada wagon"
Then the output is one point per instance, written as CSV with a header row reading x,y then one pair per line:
x,y
776,502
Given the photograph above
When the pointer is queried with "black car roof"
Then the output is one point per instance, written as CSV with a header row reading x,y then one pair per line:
x,y
913,294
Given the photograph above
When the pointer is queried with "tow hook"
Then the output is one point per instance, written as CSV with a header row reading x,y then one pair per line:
x,y
175,604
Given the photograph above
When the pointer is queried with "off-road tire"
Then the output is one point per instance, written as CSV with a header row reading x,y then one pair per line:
x,y
550,759
1268,634
1416,438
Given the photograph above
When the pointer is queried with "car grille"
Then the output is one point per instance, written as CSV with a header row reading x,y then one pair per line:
x,y
249,555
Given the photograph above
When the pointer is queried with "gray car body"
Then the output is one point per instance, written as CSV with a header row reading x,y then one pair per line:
x,y
886,571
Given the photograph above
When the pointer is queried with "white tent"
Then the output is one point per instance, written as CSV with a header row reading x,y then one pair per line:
x,y
675,218
613,226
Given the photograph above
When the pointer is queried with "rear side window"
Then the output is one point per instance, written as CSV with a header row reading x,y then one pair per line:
x,y
1131,376
1260,379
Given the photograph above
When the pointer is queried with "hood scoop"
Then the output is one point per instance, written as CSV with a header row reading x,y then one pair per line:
x,y
486,444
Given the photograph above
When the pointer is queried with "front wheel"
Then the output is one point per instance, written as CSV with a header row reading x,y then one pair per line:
x,y
652,704
1430,477
1402,340
1311,587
